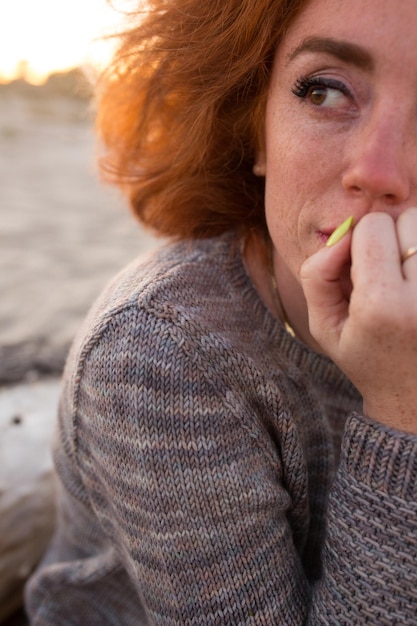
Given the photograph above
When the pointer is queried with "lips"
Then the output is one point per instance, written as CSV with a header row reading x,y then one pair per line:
x,y
323,235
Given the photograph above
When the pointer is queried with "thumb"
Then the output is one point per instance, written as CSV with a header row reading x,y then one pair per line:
x,y
325,278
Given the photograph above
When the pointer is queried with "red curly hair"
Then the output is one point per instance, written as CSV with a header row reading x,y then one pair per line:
x,y
181,111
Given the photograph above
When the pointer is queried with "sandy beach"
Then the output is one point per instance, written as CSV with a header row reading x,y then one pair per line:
x,y
63,235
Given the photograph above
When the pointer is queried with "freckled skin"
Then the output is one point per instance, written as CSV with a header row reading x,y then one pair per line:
x,y
347,145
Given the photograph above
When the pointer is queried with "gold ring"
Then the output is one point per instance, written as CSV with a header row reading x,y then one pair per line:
x,y
410,252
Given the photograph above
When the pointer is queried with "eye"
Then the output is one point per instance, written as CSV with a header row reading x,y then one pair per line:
x,y
322,92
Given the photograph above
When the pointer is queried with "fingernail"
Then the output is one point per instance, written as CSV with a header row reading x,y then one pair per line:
x,y
340,231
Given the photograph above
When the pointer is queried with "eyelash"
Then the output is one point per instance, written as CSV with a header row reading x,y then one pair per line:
x,y
303,86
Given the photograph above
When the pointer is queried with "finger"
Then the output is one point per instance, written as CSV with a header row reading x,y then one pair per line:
x,y
323,288
375,255
407,242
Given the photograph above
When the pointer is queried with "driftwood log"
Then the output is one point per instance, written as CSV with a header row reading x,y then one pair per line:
x,y
27,484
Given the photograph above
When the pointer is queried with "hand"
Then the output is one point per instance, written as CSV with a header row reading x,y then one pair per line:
x,y
369,326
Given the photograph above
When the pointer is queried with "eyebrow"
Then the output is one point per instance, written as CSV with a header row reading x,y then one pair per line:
x,y
343,50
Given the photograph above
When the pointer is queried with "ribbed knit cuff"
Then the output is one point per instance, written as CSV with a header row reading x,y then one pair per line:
x,y
383,458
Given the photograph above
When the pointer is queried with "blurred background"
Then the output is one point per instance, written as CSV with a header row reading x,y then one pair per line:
x,y
63,235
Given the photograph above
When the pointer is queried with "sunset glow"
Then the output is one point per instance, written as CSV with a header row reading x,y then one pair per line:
x,y
38,37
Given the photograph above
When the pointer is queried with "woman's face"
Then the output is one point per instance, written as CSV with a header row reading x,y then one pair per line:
x,y
341,122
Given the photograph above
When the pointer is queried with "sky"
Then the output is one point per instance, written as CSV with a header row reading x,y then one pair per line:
x,y
43,36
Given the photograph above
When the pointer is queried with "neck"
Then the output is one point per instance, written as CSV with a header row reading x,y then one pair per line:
x,y
278,288
279,306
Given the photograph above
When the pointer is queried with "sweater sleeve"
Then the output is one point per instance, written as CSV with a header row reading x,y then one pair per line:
x,y
370,556
193,503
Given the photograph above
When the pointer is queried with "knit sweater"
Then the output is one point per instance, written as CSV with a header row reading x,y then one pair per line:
x,y
215,470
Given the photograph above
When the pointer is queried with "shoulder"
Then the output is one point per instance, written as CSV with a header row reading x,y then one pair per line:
x,y
183,318
199,288
164,346
173,272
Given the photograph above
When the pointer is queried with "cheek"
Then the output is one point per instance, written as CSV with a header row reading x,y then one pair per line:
x,y
293,196
282,216
288,187
290,165
302,177
300,150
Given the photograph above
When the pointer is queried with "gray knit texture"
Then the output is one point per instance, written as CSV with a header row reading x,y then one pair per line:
x,y
215,471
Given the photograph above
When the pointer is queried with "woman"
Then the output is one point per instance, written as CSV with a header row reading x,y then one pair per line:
x,y
237,430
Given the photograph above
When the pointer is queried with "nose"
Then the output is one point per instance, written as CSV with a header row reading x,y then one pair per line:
x,y
381,162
